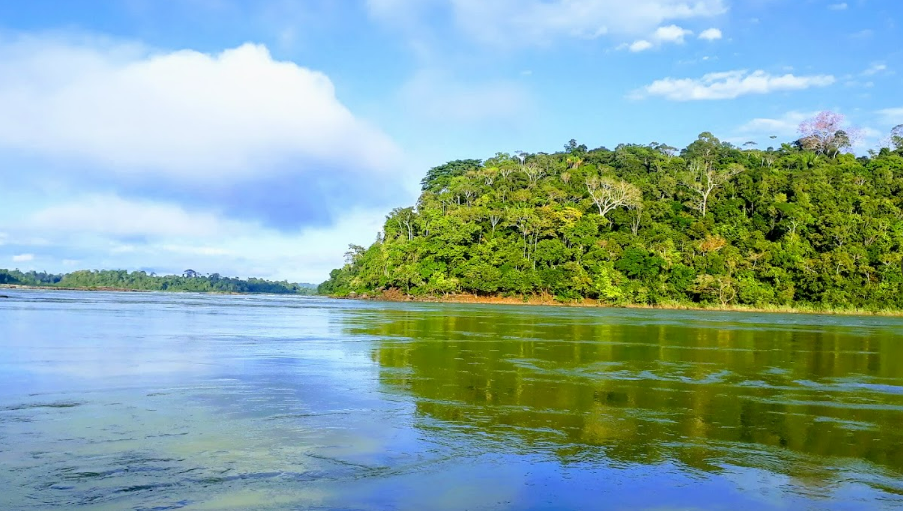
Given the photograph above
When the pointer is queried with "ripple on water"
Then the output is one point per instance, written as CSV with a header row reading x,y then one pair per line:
x,y
169,402
32,406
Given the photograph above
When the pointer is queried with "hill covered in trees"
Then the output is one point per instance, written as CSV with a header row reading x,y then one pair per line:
x,y
190,280
800,225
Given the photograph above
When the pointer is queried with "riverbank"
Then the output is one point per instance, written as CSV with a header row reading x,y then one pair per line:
x,y
550,300
57,288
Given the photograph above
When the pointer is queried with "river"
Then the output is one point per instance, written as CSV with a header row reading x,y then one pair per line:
x,y
153,401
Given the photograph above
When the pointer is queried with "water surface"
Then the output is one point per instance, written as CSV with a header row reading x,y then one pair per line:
x,y
183,401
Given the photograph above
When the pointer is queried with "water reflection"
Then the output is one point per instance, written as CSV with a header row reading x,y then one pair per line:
x,y
151,401
793,399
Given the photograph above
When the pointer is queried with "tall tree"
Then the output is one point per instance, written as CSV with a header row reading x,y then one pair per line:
x,y
825,133
608,193
703,179
896,137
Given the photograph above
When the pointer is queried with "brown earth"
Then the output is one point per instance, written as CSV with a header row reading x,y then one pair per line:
x,y
396,295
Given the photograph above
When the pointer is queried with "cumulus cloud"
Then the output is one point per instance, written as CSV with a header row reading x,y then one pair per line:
x,y
110,215
671,34
729,85
710,34
838,6
532,22
641,45
23,258
662,35
235,129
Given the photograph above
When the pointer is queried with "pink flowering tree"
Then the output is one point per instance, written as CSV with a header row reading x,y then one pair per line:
x,y
825,133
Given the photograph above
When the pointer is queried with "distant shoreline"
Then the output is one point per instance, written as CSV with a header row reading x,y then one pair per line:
x,y
57,288
549,300
128,290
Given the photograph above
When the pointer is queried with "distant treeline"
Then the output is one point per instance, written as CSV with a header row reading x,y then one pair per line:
x,y
190,280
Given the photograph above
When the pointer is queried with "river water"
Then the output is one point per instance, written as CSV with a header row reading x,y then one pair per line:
x,y
156,401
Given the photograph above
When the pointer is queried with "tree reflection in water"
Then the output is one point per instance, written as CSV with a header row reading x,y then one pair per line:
x,y
788,396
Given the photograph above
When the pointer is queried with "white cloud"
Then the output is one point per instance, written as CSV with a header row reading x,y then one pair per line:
x,y
671,34
114,216
640,45
662,35
3,238
891,116
710,34
538,22
236,131
729,85
875,68
435,95
182,114
23,258
784,126
838,6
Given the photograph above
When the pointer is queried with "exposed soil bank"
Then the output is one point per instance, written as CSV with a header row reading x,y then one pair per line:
x,y
393,295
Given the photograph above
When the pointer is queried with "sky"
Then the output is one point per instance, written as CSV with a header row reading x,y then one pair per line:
x,y
261,137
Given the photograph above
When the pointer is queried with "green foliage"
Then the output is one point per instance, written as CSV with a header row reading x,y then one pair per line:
x,y
711,224
640,264
439,178
142,281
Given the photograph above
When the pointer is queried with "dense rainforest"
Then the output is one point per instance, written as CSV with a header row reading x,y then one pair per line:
x,y
803,225
190,280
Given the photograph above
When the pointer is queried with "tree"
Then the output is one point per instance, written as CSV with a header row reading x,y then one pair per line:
x,y
608,194
573,148
704,148
140,280
354,254
438,178
703,179
534,171
829,236
896,137
825,134
404,219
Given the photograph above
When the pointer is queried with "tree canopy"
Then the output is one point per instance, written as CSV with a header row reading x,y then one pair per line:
x,y
645,224
190,280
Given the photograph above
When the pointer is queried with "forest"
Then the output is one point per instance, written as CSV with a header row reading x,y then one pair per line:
x,y
190,280
803,225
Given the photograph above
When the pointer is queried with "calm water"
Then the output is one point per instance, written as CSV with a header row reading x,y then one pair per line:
x,y
162,401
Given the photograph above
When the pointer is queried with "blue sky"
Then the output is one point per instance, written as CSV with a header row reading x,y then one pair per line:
x,y
259,138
